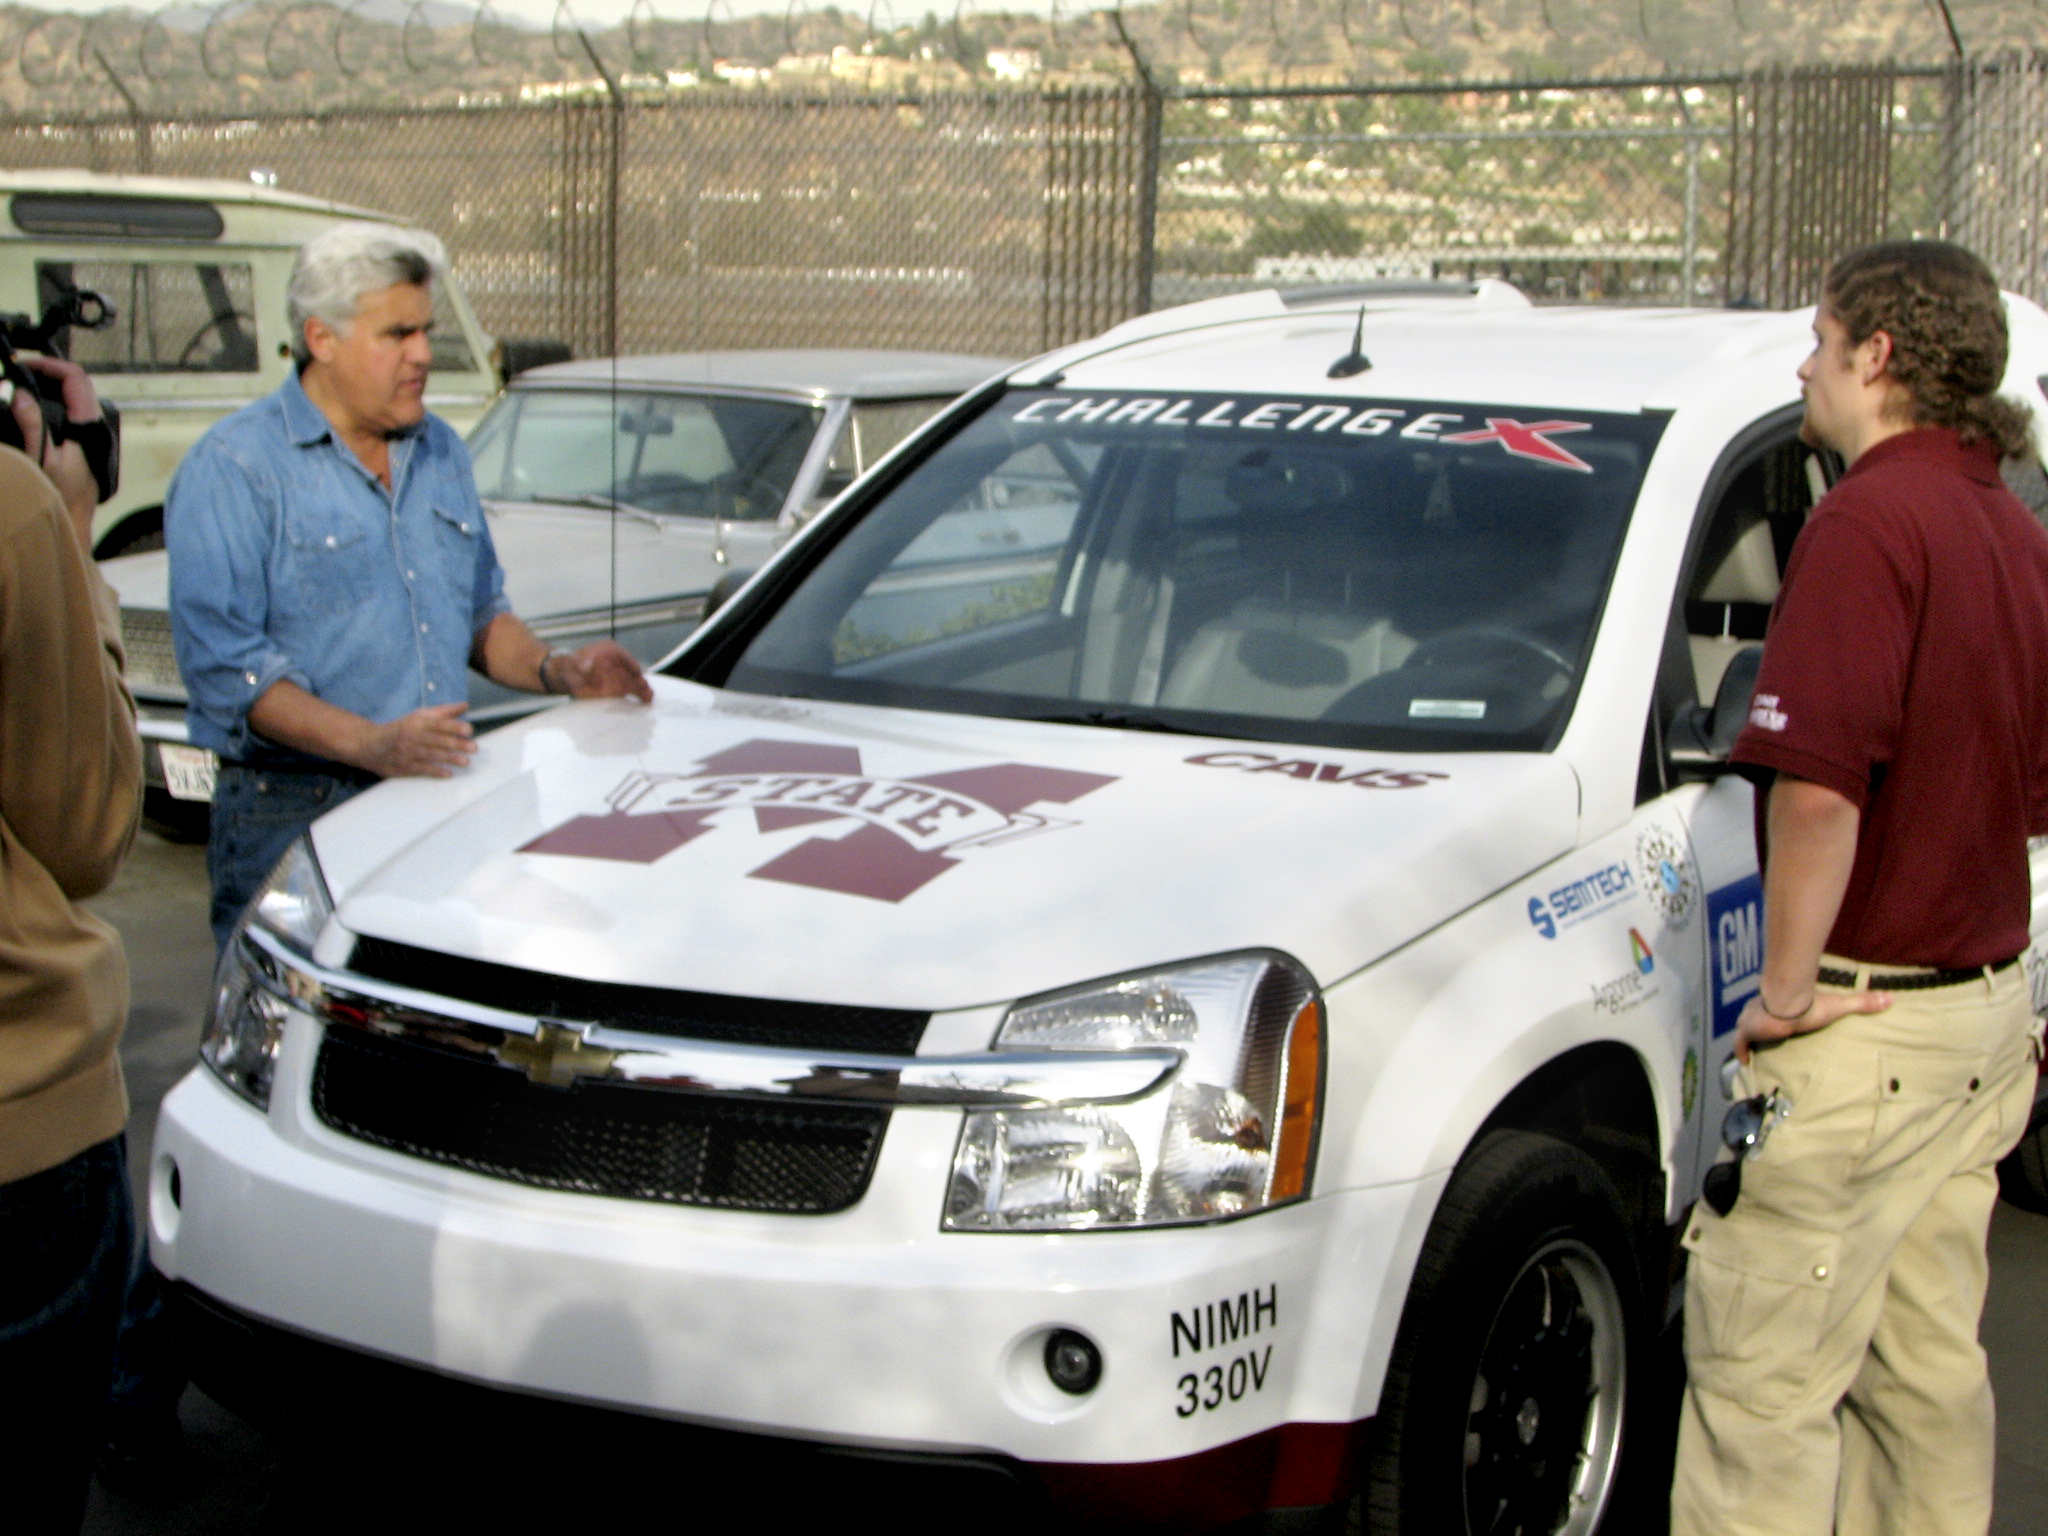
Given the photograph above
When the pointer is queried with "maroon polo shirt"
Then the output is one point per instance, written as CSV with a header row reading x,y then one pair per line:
x,y
1907,670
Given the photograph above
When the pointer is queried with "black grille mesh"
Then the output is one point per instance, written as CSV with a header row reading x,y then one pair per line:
x,y
595,1138
655,1010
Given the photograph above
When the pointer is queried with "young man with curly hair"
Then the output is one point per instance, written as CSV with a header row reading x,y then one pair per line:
x,y
1836,1383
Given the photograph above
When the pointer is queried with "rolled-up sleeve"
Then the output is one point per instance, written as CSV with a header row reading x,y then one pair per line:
x,y
220,524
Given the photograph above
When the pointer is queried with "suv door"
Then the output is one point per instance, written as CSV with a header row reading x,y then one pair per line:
x,y
1755,503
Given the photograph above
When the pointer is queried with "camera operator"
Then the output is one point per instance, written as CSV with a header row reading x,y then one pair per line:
x,y
70,794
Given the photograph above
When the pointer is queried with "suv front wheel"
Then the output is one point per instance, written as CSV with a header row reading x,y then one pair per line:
x,y
1504,1407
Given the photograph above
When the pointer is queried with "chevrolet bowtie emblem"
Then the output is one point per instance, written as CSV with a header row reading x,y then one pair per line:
x,y
555,1055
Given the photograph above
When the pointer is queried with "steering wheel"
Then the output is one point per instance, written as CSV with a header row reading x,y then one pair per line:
x,y
1479,637
219,323
759,494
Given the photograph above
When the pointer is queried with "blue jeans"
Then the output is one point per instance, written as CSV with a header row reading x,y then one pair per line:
x,y
65,1235
257,814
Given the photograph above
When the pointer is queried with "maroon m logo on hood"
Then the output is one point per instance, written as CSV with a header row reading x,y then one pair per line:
x,y
912,830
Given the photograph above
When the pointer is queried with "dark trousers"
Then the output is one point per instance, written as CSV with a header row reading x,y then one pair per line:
x,y
65,1236
257,814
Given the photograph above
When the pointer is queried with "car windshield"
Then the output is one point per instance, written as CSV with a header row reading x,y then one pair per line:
x,y
1381,574
722,456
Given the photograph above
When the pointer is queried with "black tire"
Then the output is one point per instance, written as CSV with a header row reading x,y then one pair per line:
x,y
133,536
1514,1369
176,821
2023,1176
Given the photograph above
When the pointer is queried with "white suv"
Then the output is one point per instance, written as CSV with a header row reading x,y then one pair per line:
x,y
1178,943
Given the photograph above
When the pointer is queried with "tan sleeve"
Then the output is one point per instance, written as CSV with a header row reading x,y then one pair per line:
x,y
70,762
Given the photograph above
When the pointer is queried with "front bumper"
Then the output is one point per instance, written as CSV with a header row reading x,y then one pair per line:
x,y
1229,1384
290,1383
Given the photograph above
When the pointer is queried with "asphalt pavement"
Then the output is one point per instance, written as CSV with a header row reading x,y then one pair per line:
x,y
159,904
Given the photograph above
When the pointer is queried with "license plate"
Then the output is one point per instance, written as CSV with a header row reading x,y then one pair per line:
x,y
188,771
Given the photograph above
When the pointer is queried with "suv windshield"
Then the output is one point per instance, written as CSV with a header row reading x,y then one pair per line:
x,y
1390,575
699,455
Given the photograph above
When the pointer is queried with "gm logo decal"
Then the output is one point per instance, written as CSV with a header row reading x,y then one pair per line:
x,y
1735,932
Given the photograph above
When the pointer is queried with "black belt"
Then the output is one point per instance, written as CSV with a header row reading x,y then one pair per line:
x,y
1914,981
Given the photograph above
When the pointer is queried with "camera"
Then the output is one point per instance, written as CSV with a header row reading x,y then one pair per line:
x,y
100,441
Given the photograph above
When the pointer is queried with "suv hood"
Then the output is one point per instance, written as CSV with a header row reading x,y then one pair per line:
x,y
833,853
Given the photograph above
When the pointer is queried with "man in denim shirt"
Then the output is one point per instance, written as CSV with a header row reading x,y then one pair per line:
x,y
332,575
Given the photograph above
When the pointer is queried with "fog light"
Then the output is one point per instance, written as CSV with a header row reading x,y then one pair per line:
x,y
1073,1362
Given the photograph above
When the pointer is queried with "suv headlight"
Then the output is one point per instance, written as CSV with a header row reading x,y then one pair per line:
x,y
1233,1133
246,1023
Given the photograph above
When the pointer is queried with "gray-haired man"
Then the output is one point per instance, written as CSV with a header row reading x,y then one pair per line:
x,y
332,575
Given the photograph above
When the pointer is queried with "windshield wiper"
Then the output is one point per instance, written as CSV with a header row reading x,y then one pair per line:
x,y
596,501
1122,720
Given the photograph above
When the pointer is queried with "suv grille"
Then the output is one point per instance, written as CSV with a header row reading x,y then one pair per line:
x,y
654,1010
595,1138
152,663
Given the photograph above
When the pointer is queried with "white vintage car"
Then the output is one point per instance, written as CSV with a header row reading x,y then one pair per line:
x,y
1172,953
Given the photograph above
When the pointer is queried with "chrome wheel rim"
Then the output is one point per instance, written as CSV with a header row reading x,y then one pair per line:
x,y
1543,1423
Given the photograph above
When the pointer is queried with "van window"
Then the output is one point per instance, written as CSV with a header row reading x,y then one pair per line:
x,y
451,350
169,316
96,215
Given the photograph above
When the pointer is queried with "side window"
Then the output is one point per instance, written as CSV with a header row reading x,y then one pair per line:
x,y
2024,478
1735,573
490,446
872,429
451,350
1741,543
989,557
170,316
880,425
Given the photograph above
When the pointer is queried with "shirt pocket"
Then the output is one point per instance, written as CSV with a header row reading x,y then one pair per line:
x,y
331,564
1760,1296
457,535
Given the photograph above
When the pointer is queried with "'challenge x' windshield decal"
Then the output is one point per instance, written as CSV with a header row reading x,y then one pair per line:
x,y
1523,439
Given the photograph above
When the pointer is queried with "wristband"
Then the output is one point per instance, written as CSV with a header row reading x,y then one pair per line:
x,y
542,671
1783,1018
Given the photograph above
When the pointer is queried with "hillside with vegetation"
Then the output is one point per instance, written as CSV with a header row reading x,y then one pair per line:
x,y
291,54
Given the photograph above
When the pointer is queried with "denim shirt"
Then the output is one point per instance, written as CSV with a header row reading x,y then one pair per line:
x,y
289,560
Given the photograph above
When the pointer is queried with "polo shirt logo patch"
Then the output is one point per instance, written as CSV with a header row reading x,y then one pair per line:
x,y
1765,715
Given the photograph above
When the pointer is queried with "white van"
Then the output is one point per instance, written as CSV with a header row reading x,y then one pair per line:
x,y
1175,947
196,273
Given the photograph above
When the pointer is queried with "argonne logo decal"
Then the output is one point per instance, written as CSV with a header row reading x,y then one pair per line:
x,y
914,829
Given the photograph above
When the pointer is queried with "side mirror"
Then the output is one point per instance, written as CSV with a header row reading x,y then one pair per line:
x,y
722,589
1703,736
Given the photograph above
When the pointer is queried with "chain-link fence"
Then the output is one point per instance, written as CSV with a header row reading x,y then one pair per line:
x,y
993,222
1572,191
1708,190
1006,221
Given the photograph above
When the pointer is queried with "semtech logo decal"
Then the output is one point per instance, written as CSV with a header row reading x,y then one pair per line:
x,y
1645,961
910,831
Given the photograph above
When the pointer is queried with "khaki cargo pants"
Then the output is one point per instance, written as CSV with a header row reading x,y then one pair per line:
x,y
1835,1379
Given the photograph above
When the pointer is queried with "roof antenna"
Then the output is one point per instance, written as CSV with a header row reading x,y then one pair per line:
x,y
1354,361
